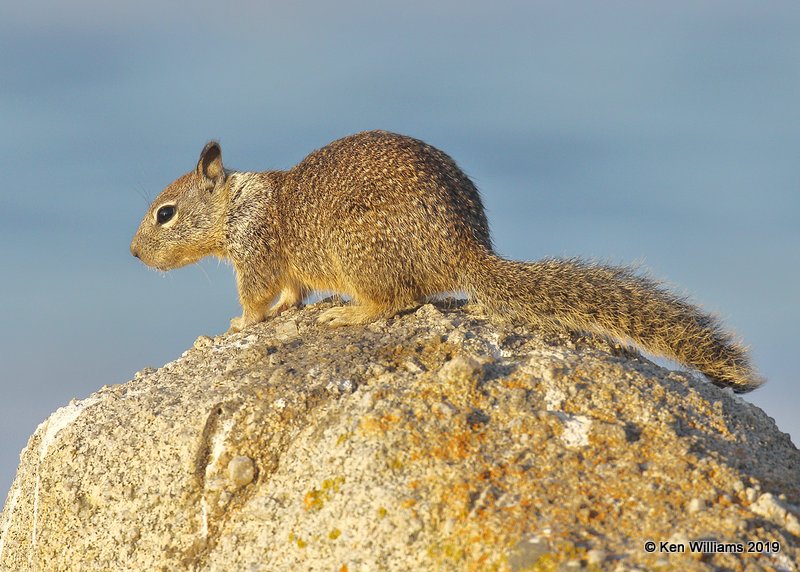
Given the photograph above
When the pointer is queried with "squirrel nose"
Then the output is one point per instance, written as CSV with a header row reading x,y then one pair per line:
x,y
134,250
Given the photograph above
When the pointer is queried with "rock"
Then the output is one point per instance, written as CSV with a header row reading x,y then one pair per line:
x,y
773,509
241,471
433,441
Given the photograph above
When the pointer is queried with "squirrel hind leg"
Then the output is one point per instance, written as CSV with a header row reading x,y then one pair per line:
x,y
356,314
371,302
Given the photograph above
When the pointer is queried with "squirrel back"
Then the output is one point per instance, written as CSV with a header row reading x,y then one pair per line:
x,y
390,220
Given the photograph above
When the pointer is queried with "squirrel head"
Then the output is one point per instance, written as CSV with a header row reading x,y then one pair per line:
x,y
187,220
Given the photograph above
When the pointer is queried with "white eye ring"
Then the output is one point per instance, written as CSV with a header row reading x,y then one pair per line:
x,y
164,215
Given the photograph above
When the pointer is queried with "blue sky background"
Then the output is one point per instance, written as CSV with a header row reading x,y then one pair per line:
x,y
630,132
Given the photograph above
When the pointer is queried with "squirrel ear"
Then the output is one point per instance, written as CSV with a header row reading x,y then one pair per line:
x,y
210,164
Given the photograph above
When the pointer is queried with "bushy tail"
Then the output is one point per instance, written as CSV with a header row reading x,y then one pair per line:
x,y
616,302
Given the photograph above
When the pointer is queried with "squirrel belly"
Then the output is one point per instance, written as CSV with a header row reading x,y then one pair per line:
x,y
390,220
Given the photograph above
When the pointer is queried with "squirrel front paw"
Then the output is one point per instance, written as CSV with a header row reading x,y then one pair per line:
x,y
237,325
244,321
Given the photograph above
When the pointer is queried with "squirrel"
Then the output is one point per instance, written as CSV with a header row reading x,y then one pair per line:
x,y
389,221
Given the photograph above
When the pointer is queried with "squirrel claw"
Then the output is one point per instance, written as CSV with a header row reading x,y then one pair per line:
x,y
238,324
349,316
335,317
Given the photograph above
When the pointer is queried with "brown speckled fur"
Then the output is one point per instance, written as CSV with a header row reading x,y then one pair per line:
x,y
389,221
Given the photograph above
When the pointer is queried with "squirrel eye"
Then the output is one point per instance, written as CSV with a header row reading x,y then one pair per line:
x,y
165,213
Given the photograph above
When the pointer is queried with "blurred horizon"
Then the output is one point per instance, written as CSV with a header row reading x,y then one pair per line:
x,y
664,135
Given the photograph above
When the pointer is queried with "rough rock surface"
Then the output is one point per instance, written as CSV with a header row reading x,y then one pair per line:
x,y
434,441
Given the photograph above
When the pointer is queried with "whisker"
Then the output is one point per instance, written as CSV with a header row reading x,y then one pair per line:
x,y
208,279
141,190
